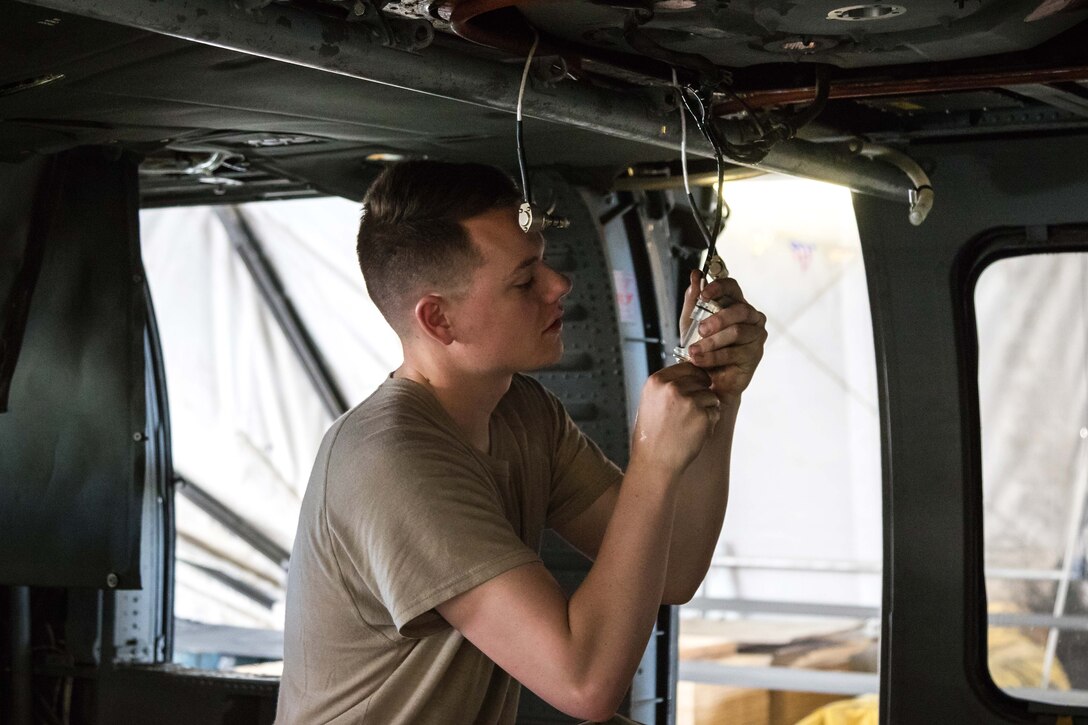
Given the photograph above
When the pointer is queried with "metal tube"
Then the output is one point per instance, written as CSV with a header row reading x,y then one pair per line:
x,y
287,34
762,606
659,183
234,523
283,309
820,565
884,88
790,679
1074,532
865,567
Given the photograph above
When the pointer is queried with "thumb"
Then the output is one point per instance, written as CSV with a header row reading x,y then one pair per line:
x,y
691,296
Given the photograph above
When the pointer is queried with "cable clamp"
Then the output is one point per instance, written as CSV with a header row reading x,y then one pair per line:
x,y
532,218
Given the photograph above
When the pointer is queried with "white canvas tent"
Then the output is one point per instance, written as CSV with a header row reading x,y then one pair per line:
x,y
806,471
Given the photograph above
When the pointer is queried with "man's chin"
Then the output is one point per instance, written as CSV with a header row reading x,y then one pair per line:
x,y
551,360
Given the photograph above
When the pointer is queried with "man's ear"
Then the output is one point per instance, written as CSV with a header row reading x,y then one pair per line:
x,y
431,319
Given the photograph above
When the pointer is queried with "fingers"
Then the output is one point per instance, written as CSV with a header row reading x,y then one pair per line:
x,y
732,336
725,288
744,356
703,398
691,295
682,371
740,313
690,382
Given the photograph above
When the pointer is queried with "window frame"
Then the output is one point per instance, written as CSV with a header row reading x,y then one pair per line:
x,y
974,258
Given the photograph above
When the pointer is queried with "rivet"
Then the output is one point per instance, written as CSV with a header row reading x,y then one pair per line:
x,y
111,580
137,437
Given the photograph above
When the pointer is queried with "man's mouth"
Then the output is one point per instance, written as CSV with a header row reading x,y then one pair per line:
x,y
557,324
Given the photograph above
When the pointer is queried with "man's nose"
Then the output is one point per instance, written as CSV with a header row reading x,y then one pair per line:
x,y
563,283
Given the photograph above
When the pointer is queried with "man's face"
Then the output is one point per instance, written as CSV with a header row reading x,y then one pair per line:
x,y
510,318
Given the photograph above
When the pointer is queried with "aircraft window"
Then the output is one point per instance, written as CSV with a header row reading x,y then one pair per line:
x,y
788,618
1032,317
246,415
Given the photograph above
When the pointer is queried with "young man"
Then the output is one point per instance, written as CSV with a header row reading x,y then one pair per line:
x,y
416,593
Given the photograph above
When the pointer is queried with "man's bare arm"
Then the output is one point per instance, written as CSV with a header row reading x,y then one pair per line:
x,y
580,654
730,350
702,495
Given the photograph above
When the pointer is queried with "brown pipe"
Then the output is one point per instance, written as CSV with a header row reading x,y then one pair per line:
x,y
908,87
464,21
467,20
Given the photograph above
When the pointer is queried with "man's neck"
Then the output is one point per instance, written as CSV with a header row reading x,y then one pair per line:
x,y
469,399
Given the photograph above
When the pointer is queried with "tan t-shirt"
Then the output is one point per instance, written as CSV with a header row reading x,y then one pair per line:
x,y
401,514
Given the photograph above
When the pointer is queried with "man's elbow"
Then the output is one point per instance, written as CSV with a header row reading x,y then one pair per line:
x,y
596,695
596,704
680,593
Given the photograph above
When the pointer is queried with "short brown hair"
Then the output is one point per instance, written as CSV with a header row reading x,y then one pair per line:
x,y
411,237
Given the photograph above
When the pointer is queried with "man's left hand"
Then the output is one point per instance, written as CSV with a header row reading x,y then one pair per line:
x,y
732,339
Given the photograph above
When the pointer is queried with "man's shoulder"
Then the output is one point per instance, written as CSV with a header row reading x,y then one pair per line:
x,y
396,426
398,408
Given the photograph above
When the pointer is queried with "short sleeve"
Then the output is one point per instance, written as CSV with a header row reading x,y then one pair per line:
x,y
581,472
419,523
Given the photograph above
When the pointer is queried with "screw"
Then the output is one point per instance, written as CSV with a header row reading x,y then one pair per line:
x,y
137,437
111,580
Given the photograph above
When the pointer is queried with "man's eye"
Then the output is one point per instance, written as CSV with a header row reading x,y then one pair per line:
x,y
527,285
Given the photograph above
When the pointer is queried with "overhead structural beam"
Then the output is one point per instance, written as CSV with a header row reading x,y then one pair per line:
x,y
287,34
1054,96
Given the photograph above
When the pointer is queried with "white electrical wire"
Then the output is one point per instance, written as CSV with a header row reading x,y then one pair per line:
x,y
519,134
525,72
683,134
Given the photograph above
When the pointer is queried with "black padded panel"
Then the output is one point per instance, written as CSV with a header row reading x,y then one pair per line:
x,y
20,264
71,443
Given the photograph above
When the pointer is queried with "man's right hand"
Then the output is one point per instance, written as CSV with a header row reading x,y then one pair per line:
x,y
676,415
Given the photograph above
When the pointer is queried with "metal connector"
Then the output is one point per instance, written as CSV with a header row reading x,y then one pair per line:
x,y
532,219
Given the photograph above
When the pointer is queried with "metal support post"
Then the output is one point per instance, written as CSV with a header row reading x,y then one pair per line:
x,y
249,248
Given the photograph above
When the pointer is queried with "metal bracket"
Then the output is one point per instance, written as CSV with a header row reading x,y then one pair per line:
x,y
402,34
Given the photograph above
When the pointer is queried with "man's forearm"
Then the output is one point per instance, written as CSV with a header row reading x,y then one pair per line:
x,y
613,612
700,510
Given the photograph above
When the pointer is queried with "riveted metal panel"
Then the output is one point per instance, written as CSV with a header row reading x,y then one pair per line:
x,y
589,379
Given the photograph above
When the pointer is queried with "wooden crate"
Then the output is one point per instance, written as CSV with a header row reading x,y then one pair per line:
x,y
699,704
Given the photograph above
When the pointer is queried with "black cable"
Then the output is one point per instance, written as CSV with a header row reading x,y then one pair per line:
x,y
708,126
709,238
814,109
746,153
719,221
701,224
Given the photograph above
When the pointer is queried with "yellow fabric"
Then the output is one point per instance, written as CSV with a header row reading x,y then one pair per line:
x,y
859,711
1015,661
